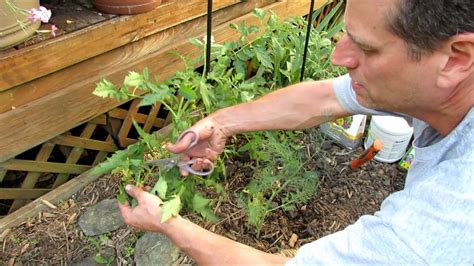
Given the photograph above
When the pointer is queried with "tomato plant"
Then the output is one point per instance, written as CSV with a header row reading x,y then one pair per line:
x,y
240,71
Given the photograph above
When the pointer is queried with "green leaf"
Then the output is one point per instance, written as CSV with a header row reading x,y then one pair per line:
x,y
100,260
146,73
122,196
134,79
205,95
264,57
259,13
105,89
256,210
240,67
246,96
116,160
152,98
202,205
160,188
134,202
187,92
253,29
217,186
141,133
170,208
196,42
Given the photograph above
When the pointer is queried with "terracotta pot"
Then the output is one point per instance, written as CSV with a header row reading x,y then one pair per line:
x,y
125,7
14,25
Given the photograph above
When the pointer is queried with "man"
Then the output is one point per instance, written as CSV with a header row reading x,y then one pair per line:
x,y
410,57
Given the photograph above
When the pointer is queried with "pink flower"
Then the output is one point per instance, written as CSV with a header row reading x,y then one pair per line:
x,y
42,14
53,30
33,15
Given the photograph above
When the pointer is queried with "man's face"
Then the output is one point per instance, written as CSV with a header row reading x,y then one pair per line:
x,y
384,75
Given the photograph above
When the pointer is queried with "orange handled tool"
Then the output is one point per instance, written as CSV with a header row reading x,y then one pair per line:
x,y
367,155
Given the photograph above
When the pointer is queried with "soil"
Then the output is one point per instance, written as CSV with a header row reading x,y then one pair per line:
x,y
343,195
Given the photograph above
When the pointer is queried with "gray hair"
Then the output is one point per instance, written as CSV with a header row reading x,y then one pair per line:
x,y
425,24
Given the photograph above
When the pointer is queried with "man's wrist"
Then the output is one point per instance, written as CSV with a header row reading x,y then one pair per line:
x,y
169,226
224,122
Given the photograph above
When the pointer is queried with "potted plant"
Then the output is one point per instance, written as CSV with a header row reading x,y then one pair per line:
x,y
125,7
15,26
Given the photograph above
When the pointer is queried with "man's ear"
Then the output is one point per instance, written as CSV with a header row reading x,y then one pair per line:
x,y
460,60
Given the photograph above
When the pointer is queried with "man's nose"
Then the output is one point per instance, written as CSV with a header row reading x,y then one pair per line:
x,y
344,55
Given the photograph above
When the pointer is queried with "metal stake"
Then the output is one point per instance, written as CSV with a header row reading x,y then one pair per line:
x,y
208,38
308,32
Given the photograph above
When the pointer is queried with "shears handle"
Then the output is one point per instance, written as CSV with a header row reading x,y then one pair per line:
x,y
186,166
195,139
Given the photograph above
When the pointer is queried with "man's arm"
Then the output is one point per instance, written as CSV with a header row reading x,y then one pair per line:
x,y
207,248
203,246
298,106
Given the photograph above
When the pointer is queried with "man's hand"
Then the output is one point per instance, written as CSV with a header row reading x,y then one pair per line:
x,y
147,214
211,143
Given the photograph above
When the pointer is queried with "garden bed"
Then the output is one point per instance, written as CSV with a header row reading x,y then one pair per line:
x,y
53,236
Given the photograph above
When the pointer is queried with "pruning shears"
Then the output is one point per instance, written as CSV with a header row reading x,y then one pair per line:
x,y
167,163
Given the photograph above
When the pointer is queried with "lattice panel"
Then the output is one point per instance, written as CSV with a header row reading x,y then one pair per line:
x,y
42,168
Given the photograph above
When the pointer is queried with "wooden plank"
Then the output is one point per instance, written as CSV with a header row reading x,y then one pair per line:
x,y
49,56
151,118
75,154
3,173
75,104
32,177
36,206
46,167
102,154
127,123
84,143
26,92
122,114
140,118
43,156
99,120
22,193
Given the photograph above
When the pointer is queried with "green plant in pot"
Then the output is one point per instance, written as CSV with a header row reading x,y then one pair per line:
x,y
125,7
15,26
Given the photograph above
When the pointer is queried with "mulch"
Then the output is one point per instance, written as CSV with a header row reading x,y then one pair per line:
x,y
343,195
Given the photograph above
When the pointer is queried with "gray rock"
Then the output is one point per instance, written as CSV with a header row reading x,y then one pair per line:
x,y
155,249
101,218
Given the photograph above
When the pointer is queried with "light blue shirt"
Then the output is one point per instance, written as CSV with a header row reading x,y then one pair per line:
x,y
431,221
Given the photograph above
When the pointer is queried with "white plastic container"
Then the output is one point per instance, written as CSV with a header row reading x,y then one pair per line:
x,y
347,131
395,134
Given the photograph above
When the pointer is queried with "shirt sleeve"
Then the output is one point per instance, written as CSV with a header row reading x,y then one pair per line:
x,y
348,100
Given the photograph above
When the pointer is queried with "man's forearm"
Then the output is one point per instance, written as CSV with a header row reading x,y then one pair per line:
x,y
296,107
207,248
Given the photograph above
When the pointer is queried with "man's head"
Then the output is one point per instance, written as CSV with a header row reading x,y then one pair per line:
x,y
398,63
425,25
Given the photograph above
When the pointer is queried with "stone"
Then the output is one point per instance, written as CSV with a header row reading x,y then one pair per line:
x,y
155,249
101,218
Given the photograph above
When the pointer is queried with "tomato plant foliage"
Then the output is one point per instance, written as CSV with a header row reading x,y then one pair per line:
x,y
240,71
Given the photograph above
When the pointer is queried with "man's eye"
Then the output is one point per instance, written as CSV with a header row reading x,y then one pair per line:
x,y
368,50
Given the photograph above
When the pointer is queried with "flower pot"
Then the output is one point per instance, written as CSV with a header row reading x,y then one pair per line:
x,y
14,25
125,7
